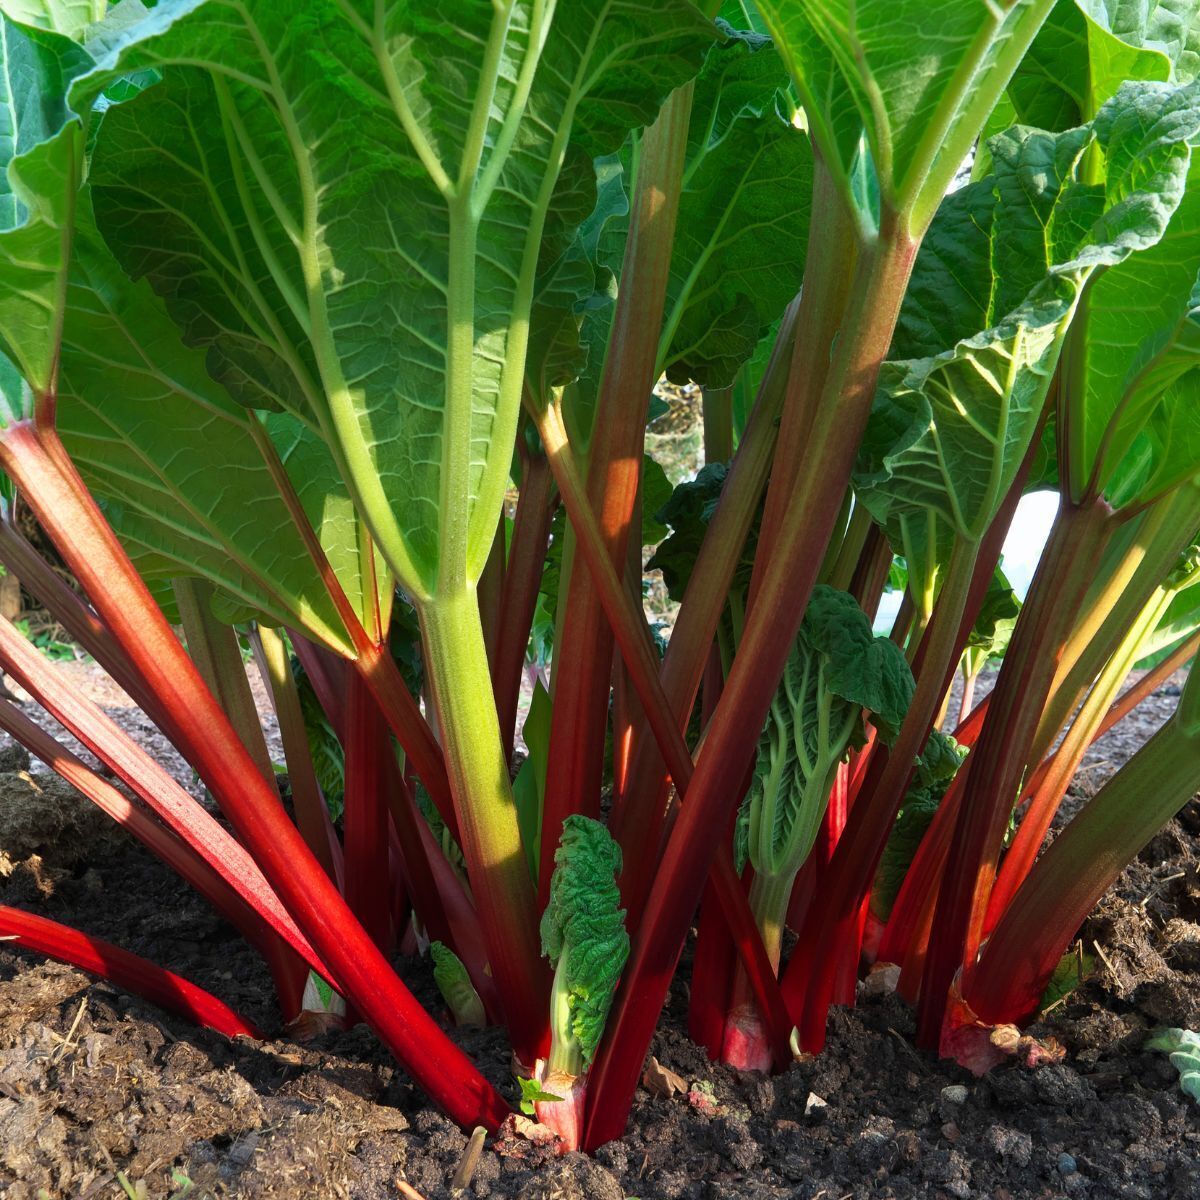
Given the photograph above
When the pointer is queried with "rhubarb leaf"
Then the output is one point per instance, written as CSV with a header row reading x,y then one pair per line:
x,y
1087,49
41,165
743,221
687,512
901,71
936,769
529,786
951,426
67,17
185,486
1182,617
989,636
583,935
837,670
456,987
1134,427
279,245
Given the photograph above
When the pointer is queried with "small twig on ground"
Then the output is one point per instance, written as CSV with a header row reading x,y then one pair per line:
x,y
909,1051
1107,962
409,1193
468,1162
67,1043
1158,887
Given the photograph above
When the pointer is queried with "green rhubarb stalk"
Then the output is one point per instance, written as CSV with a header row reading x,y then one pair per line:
x,y
312,814
1126,585
1060,769
998,759
584,660
460,682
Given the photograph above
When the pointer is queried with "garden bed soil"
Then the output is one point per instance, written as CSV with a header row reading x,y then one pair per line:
x,y
94,1082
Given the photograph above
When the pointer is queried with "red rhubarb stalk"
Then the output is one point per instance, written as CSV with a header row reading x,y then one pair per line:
x,y
214,649
1082,863
1067,566
633,638
72,613
638,822
126,970
287,968
40,467
832,932
372,660
580,691
522,580
771,627
179,811
365,817
312,813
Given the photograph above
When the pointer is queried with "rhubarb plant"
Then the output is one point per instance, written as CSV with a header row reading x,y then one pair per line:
x,y
339,326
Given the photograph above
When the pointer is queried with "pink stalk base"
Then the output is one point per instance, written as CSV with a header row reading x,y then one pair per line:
x,y
564,1116
745,1045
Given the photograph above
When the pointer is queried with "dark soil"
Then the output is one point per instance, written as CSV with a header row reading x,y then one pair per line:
x,y
94,1082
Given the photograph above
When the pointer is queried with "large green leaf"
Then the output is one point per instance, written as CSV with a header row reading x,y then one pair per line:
x,y
1135,422
41,163
184,483
574,302
950,428
347,204
1086,50
905,72
68,17
743,216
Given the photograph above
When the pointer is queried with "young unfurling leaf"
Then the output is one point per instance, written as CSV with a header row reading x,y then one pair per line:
x,y
583,935
838,672
455,985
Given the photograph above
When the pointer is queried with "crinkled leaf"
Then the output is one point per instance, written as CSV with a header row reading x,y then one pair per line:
x,y
837,670
583,927
860,668
951,425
